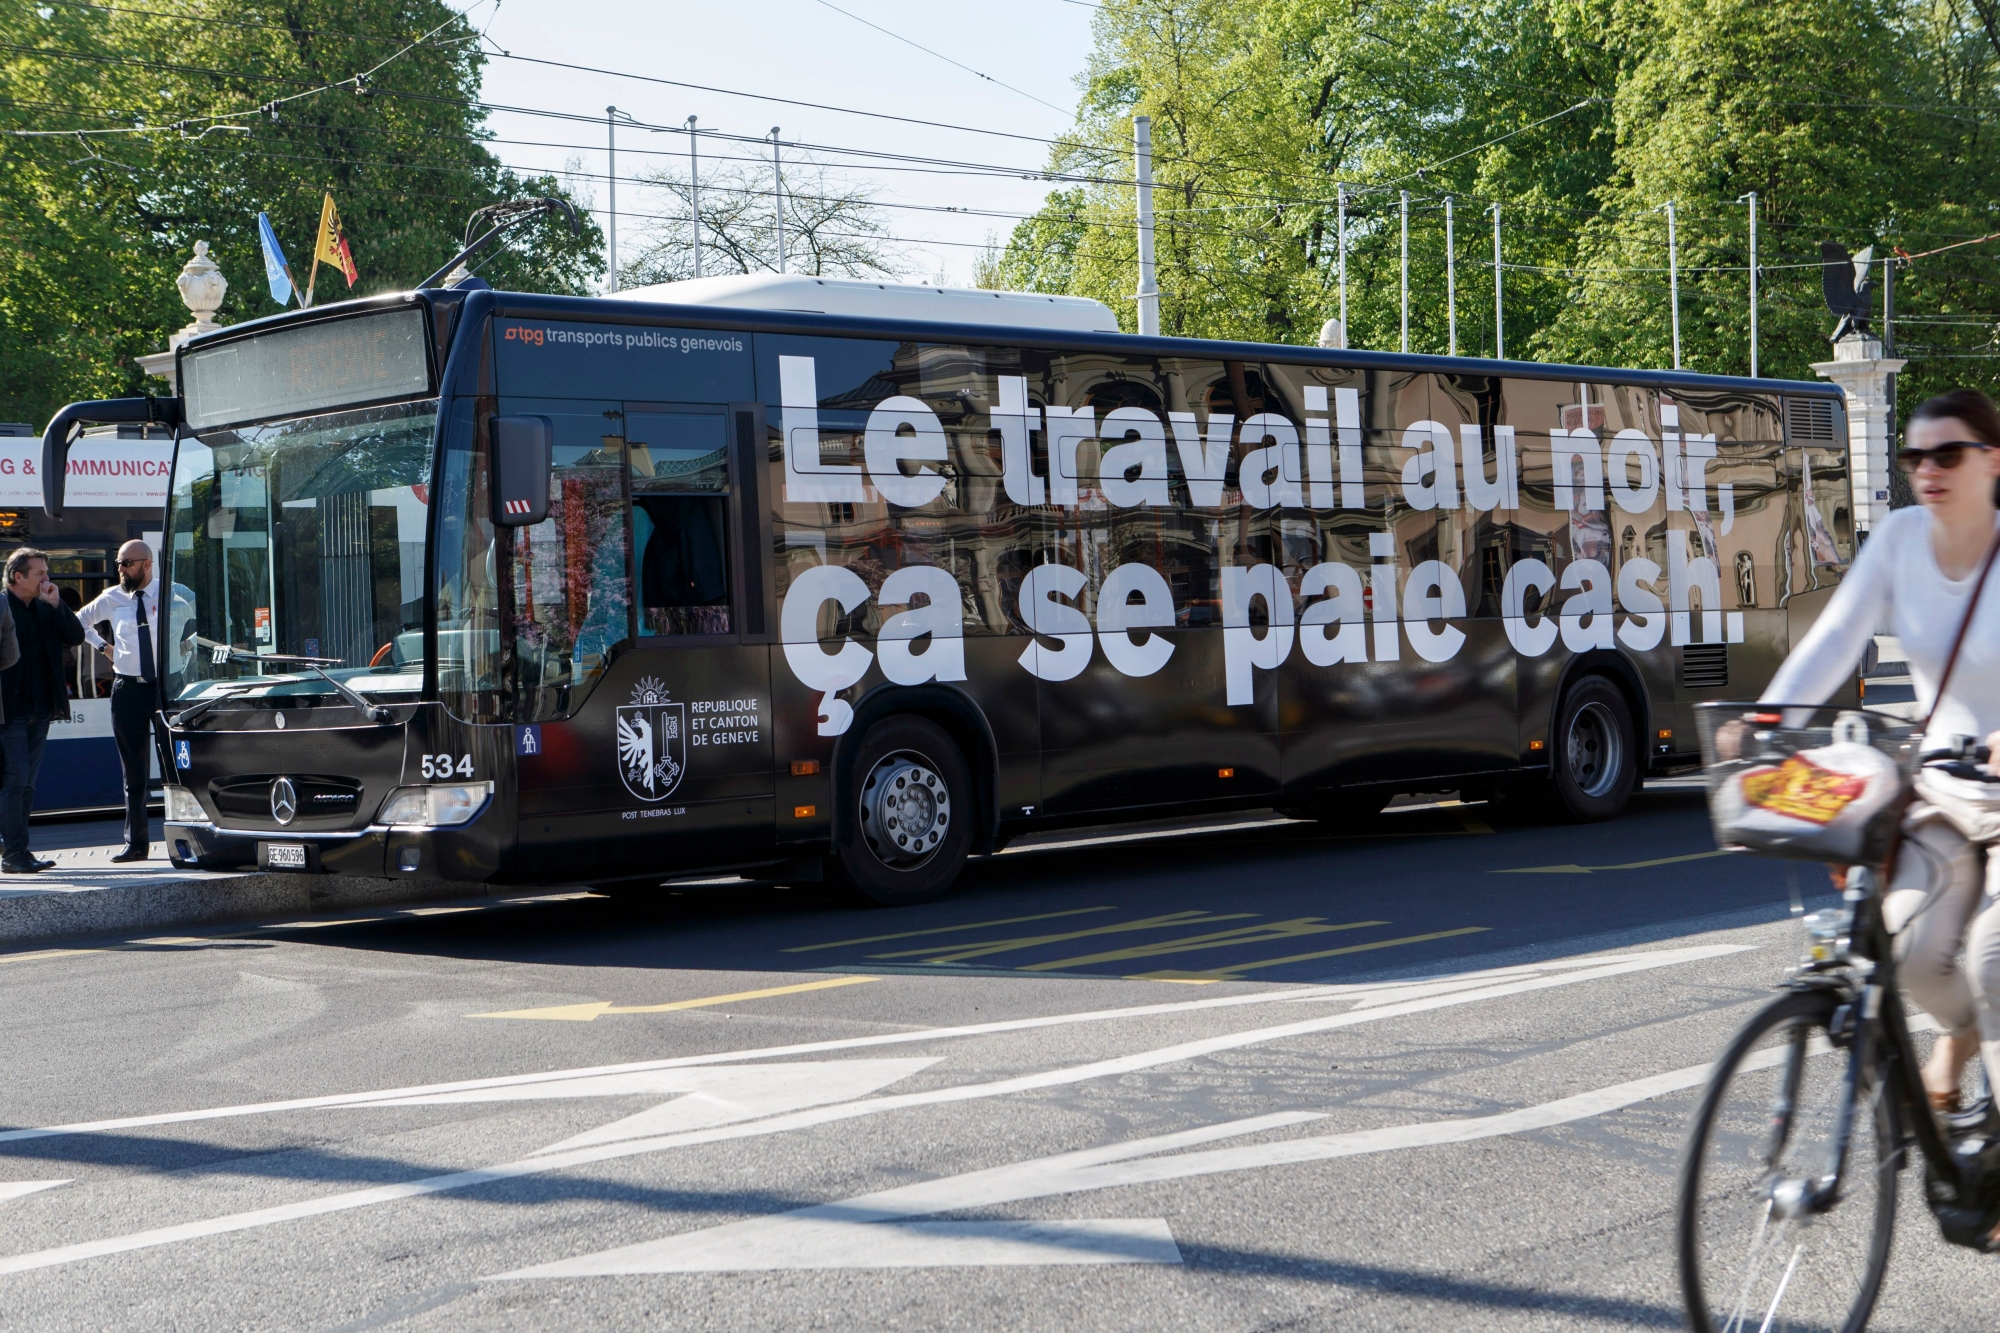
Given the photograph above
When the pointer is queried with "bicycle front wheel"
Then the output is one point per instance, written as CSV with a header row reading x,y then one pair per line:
x,y
1755,1256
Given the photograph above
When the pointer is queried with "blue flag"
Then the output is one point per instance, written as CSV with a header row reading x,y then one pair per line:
x,y
276,270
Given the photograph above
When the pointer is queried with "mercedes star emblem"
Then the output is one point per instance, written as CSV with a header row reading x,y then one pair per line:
x,y
284,800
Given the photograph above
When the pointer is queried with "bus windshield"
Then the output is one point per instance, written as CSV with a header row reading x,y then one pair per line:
x,y
301,538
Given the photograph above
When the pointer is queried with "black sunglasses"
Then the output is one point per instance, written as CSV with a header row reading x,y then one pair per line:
x,y
143,560
1946,456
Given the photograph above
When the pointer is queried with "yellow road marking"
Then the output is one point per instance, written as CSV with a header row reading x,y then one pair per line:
x,y
946,930
1229,973
40,954
1629,865
438,911
584,1013
1471,825
316,925
983,948
1221,939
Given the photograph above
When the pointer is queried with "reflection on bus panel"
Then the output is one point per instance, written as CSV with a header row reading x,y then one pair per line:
x,y
520,589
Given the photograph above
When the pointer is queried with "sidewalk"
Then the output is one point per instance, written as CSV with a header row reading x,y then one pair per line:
x,y
86,894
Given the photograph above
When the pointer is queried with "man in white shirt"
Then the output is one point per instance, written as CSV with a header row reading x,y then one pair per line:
x,y
132,611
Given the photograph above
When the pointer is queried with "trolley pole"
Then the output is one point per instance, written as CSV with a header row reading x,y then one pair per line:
x,y
1340,259
1674,280
1406,270
1149,292
611,217
694,190
778,196
1450,280
1499,306
1752,199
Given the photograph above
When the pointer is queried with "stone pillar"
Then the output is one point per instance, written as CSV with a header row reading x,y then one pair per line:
x,y
1868,379
202,288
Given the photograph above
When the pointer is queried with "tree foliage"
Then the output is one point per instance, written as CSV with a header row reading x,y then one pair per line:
x,y
94,227
1861,121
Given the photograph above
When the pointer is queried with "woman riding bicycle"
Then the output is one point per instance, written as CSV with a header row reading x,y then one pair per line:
x,y
1914,577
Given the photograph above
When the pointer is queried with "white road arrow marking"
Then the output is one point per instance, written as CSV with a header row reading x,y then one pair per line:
x,y
1591,970
15,1189
808,1237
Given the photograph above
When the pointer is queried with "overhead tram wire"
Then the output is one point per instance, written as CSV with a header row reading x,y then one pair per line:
x,y
828,4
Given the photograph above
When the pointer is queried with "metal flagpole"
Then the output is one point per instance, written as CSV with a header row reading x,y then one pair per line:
x,y
1149,292
1674,280
1346,335
694,190
1450,280
611,139
1752,198
1499,308
1406,270
778,196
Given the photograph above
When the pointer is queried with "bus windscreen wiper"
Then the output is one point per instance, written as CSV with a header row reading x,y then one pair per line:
x,y
222,652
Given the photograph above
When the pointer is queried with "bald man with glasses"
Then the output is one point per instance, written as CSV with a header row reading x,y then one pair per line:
x,y
132,610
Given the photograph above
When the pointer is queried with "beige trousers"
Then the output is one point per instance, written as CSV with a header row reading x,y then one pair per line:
x,y
1946,892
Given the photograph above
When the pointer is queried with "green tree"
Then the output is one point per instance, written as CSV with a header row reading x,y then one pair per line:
x,y
94,226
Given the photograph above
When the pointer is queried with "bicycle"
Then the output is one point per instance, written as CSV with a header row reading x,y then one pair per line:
x,y
1788,1189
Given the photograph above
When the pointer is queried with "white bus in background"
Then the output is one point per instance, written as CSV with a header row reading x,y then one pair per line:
x,y
117,490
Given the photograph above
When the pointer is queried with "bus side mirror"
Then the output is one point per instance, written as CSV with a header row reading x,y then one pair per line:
x,y
522,464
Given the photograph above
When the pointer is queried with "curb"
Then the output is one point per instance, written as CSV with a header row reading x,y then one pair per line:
x,y
187,902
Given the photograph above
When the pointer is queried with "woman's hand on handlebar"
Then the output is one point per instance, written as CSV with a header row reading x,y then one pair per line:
x,y
1729,738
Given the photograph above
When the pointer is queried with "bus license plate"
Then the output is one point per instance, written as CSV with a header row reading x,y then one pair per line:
x,y
285,855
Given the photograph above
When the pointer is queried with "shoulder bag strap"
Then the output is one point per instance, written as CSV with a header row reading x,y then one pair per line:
x,y
1958,639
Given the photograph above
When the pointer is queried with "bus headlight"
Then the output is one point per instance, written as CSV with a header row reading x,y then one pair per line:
x,y
435,807
182,807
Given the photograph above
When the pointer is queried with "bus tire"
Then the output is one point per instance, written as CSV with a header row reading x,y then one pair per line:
x,y
911,814
1593,764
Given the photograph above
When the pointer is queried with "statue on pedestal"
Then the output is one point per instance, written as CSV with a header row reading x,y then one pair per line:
x,y
1849,287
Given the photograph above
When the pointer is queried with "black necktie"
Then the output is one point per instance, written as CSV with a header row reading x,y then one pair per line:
x,y
145,638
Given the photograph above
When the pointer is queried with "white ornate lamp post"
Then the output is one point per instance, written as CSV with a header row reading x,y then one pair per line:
x,y
202,288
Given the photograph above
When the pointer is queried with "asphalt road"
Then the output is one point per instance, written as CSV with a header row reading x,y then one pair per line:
x,y
1225,1079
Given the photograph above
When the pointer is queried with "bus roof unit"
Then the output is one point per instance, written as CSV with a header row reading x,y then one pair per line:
x,y
885,300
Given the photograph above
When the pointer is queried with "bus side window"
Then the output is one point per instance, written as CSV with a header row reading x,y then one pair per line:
x,y
683,569
680,525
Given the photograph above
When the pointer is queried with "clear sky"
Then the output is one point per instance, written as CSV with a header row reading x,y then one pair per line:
x,y
808,51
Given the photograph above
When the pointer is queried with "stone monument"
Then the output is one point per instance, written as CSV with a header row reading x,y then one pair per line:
x,y
202,288
1866,376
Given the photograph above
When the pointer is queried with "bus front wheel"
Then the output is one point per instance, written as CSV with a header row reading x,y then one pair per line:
x,y
911,814
1595,753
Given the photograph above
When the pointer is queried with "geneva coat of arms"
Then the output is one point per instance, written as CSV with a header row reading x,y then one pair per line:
x,y
652,742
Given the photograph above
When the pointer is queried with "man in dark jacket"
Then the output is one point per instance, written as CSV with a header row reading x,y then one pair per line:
x,y
33,692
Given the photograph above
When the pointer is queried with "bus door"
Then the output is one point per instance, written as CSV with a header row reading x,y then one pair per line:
x,y
642,690
692,706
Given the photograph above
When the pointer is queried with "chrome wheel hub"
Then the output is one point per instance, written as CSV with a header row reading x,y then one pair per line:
x,y
905,810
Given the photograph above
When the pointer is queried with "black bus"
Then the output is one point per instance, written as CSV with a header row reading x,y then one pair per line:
x,y
522,589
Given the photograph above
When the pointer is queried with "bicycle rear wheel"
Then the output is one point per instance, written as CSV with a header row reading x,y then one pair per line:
x,y
1751,1260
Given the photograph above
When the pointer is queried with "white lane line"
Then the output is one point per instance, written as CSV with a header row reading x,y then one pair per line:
x,y
15,1189
985,1244
823,1235
807,1119
1331,992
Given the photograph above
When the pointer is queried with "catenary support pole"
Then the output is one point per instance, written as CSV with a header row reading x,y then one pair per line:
x,y
1751,199
1450,281
694,190
1340,243
1406,270
1149,293
1674,280
778,196
1499,303
611,215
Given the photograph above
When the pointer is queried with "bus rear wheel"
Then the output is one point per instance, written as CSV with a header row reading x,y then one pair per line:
x,y
1595,754
912,815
